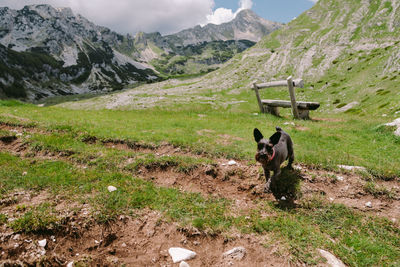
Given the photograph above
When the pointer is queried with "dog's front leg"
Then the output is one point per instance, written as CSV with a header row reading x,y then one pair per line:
x,y
274,177
267,181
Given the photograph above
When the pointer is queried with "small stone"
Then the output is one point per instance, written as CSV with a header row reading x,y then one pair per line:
x,y
289,123
237,253
340,178
24,173
70,264
232,162
42,243
124,245
352,168
283,198
331,199
331,259
16,237
53,238
111,188
368,204
181,254
184,264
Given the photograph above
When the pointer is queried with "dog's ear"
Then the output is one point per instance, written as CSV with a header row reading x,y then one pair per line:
x,y
274,139
257,135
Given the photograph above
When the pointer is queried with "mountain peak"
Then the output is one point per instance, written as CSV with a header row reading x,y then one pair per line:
x,y
246,13
47,11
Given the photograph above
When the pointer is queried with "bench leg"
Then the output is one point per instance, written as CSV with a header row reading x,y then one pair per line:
x,y
272,110
304,114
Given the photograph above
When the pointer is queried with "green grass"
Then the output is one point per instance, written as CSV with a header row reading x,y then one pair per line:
x,y
359,240
38,219
341,139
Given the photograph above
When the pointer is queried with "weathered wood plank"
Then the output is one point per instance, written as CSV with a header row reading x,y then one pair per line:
x,y
292,97
296,83
288,104
258,98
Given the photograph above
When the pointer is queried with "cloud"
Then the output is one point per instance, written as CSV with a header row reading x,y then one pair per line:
x,y
131,16
221,15
314,1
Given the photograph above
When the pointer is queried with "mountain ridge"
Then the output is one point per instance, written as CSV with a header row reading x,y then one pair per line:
x,y
87,57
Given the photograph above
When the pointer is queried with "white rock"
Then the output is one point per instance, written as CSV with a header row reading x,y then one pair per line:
x,y
289,123
232,162
368,204
111,188
352,168
184,264
395,123
70,264
42,243
340,178
283,198
24,173
331,259
331,199
40,105
16,237
181,254
237,253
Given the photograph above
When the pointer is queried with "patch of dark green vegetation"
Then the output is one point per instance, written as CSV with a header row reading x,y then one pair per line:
x,y
198,59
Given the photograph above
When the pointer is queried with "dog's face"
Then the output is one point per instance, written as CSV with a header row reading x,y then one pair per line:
x,y
264,148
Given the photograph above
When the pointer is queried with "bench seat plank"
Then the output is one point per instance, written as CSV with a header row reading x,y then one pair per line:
x,y
287,104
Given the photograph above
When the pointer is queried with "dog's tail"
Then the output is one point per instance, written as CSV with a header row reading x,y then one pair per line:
x,y
278,129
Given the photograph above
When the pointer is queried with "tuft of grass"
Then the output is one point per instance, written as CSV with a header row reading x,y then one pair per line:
x,y
38,219
3,218
376,190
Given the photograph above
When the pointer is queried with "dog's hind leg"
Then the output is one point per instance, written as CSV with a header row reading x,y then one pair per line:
x,y
290,153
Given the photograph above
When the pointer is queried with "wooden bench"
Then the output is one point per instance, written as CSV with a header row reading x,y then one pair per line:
x,y
300,109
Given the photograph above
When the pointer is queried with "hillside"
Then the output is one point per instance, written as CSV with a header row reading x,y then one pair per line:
x,y
46,51
202,48
346,56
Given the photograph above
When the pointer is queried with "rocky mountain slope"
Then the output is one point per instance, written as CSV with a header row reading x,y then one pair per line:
x,y
346,51
46,51
201,49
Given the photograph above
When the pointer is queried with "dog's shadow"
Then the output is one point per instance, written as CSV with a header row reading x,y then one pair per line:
x,y
287,188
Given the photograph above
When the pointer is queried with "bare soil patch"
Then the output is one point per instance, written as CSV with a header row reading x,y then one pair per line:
x,y
144,238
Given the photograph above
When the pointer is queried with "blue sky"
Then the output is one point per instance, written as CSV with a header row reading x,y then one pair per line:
x,y
169,16
275,10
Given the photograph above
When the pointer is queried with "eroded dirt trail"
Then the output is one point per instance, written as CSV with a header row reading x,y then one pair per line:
x,y
143,239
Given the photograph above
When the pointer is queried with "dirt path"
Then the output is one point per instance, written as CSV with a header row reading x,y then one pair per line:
x,y
143,240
